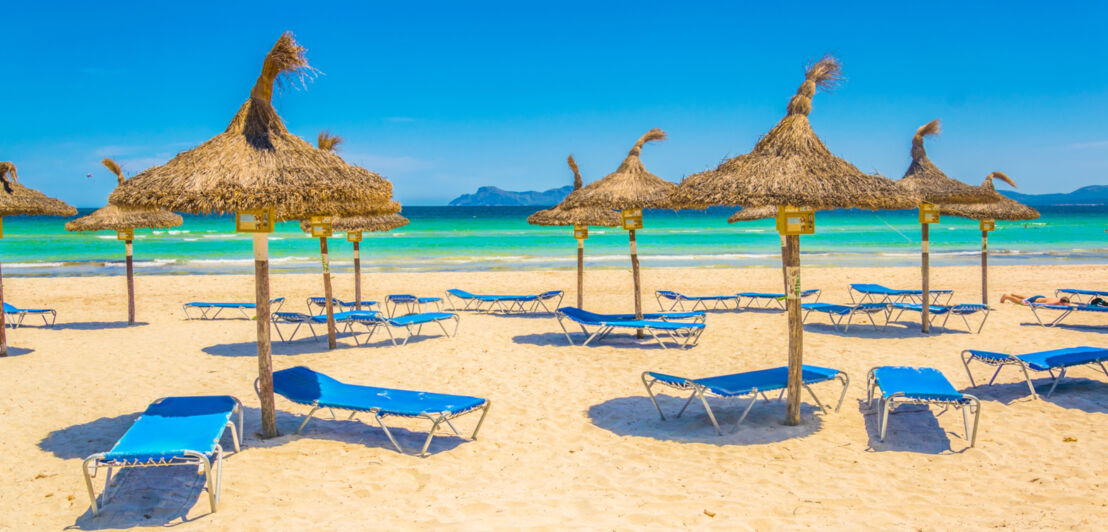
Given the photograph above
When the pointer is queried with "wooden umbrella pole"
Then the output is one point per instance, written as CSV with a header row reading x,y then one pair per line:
x,y
635,274
357,277
328,303
796,331
984,267
3,325
130,283
580,273
784,269
265,362
925,297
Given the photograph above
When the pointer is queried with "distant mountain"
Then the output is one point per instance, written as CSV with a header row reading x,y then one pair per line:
x,y
495,197
1092,194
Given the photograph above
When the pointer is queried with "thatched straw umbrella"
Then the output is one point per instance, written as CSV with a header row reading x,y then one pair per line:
x,y
987,214
263,173
124,222
790,166
629,189
16,199
931,186
580,218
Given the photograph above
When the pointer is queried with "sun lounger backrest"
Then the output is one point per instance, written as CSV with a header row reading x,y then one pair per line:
x,y
461,293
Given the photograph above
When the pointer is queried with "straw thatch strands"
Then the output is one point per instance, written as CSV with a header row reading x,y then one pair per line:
x,y
16,199
629,187
256,164
924,181
751,214
125,221
560,215
790,166
987,214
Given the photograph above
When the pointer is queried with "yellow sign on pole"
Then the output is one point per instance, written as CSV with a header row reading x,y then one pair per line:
x,y
988,225
580,232
795,220
632,218
353,236
928,213
256,220
129,234
321,226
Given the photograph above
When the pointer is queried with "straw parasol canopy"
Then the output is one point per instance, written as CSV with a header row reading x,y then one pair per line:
x,y
1005,209
750,214
629,187
16,199
561,215
928,183
115,218
256,163
790,165
377,223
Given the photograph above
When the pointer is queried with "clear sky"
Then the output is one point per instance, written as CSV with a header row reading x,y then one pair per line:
x,y
444,97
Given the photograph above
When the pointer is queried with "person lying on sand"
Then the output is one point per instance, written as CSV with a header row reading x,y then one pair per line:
x,y
1042,300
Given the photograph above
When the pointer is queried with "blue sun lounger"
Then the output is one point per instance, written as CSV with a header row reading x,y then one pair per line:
x,y
15,315
875,293
1048,361
1078,295
320,303
298,319
411,324
677,300
918,386
506,303
962,310
172,431
769,299
216,308
752,383
410,303
1063,311
837,313
684,334
304,386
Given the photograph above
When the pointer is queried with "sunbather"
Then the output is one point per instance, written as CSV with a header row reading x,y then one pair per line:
x,y
1042,300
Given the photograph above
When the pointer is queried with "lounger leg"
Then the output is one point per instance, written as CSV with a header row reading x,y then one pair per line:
x,y
686,405
1061,375
746,411
88,483
846,384
884,421
431,434
975,405
651,394
484,413
306,418
381,423
700,393
1027,376
563,326
966,357
816,399
213,498
997,372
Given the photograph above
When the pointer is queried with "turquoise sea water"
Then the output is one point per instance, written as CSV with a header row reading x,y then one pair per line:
x,y
499,238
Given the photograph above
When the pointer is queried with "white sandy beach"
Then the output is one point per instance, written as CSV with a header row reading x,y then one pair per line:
x,y
571,440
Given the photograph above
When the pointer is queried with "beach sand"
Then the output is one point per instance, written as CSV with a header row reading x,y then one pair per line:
x,y
571,440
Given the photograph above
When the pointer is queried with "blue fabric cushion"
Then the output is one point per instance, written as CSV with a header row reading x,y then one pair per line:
x,y
173,425
915,383
302,385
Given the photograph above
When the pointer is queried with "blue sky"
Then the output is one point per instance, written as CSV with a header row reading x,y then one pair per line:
x,y
444,97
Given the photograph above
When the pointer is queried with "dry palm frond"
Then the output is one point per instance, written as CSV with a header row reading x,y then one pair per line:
x,y
256,163
1004,209
16,199
629,187
790,165
328,142
928,183
115,169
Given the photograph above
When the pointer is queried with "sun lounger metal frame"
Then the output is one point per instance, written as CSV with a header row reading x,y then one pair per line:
x,y
1064,311
837,313
199,458
321,303
962,310
683,334
1079,296
436,418
678,301
894,295
408,323
887,402
505,303
1079,356
769,299
703,388
412,304
205,307
17,315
